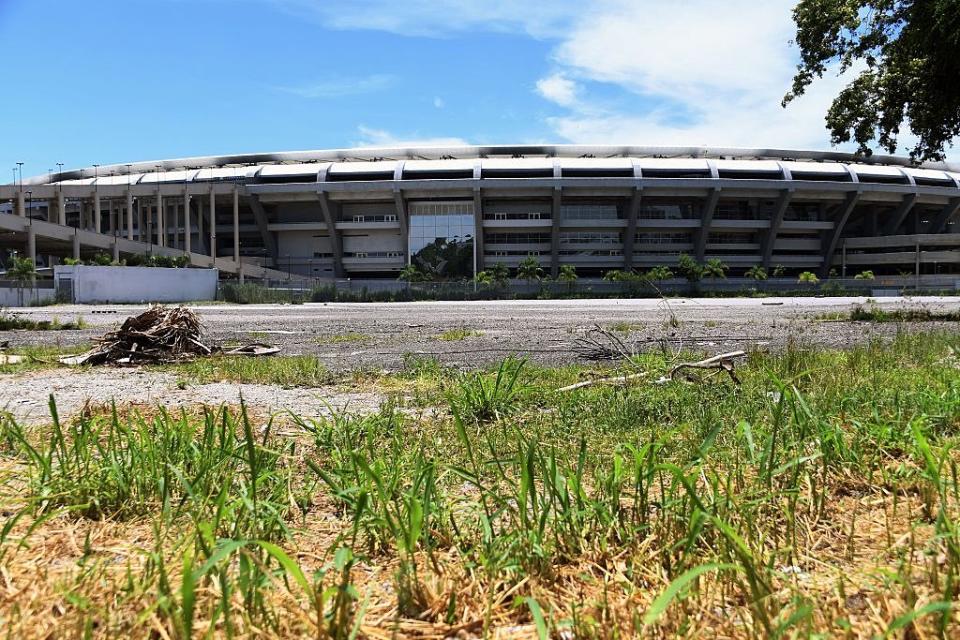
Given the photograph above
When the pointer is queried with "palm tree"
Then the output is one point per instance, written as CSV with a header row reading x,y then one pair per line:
x,y
500,274
568,274
529,269
22,271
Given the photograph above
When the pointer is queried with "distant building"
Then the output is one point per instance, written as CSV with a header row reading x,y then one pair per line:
x,y
366,213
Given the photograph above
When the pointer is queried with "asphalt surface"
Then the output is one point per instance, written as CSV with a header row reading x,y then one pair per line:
x,y
384,335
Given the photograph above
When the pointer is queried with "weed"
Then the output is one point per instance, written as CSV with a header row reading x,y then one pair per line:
x,y
460,333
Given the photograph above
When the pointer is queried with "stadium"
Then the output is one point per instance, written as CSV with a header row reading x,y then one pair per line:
x,y
454,211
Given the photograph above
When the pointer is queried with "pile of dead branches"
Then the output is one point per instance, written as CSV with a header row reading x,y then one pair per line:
x,y
158,335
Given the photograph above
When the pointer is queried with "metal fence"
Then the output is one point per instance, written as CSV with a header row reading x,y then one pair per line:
x,y
347,290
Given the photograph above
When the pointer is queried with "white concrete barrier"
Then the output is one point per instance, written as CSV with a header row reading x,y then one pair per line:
x,y
89,284
12,297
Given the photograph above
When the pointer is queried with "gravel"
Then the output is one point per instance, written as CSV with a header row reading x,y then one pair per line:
x,y
348,336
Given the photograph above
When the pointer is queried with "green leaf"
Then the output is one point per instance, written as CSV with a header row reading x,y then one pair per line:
x,y
538,619
901,622
662,602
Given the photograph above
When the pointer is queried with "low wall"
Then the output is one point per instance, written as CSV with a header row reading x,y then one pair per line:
x,y
14,297
90,284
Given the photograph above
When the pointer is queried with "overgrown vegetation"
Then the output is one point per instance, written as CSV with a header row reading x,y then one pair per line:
x,y
819,498
15,321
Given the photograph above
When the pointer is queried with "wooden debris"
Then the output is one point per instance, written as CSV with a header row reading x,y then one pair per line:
x,y
612,380
158,335
600,344
722,362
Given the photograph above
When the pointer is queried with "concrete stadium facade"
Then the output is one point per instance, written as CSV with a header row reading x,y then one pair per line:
x,y
366,213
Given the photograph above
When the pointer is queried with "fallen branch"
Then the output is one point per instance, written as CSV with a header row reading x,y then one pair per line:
x,y
722,362
614,379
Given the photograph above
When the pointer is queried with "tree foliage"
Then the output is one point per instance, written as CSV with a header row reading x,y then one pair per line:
x,y
906,55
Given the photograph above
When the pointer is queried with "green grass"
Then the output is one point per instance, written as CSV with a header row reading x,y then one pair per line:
x,y
820,496
343,338
287,371
14,321
625,327
876,313
460,333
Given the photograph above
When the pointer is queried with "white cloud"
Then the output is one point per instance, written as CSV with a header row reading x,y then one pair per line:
x,y
340,87
558,88
439,103
701,73
370,137
438,18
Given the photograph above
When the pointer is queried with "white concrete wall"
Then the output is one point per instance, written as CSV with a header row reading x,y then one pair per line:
x,y
138,284
10,296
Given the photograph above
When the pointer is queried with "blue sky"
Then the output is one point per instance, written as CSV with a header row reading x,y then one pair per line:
x,y
113,81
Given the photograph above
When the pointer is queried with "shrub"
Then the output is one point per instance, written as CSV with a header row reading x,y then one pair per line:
x,y
808,277
756,272
689,268
864,275
659,273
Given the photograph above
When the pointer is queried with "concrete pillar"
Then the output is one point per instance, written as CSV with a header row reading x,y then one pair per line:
x,y
76,244
129,214
186,222
140,228
199,206
21,207
161,221
555,205
213,228
96,211
236,225
116,250
31,244
111,218
61,208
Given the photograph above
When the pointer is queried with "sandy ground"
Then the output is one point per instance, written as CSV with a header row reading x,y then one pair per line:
x,y
385,335
26,395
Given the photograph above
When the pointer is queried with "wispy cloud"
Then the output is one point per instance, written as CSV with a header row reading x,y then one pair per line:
x,y
340,87
371,137
439,18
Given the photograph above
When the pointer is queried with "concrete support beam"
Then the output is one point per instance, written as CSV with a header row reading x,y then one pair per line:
x,y
200,236
946,214
141,235
336,242
776,221
555,205
900,214
832,238
213,227
96,211
636,201
61,208
129,214
21,205
187,231
76,244
706,221
236,225
403,215
32,244
478,231
116,249
161,221
269,238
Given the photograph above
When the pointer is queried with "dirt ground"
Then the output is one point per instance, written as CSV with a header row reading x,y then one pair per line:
x,y
347,336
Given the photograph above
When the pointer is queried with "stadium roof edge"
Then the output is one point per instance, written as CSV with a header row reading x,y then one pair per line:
x,y
364,154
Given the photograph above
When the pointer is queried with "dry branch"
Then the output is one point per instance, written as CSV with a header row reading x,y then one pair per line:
x,y
614,379
722,362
